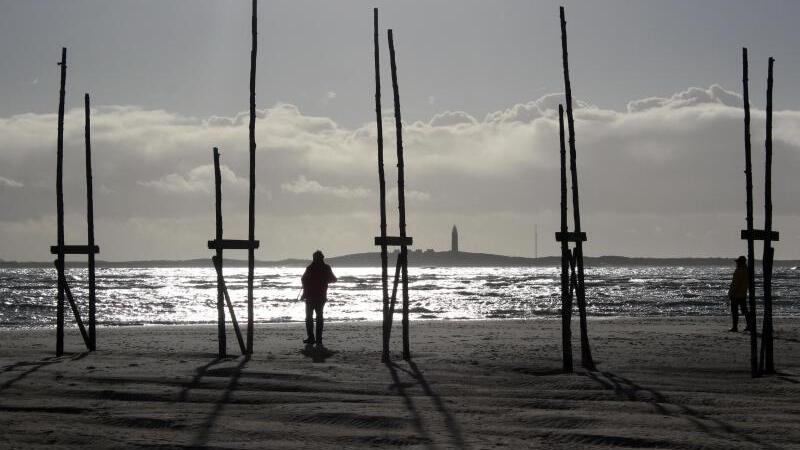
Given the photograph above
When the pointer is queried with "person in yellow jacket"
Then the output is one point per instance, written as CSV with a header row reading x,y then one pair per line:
x,y
737,293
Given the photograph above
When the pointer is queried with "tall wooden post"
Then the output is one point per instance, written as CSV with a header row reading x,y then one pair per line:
x,y
748,171
401,198
219,244
586,353
382,189
60,208
767,361
220,281
252,203
90,226
566,295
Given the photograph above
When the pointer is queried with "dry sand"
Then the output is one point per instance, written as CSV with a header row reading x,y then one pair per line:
x,y
661,383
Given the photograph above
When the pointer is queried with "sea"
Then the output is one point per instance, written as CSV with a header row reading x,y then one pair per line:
x,y
148,296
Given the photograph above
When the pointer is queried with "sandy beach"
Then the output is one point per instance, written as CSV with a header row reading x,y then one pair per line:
x,y
661,383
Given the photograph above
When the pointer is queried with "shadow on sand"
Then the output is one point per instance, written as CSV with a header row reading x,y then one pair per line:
x,y
318,354
201,439
632,391
34,366
199,373
453,429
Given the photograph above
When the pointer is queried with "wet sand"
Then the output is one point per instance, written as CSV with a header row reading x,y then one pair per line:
x,y
661,383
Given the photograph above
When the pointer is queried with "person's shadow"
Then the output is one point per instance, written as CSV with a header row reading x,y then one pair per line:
x,y
318,354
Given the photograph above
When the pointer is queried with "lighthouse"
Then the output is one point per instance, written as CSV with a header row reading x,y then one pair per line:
x,y
454,240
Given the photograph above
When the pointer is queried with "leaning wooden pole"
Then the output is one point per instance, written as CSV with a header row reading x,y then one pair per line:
x,y
220,281
586,353
401,197
767,361
60,208
251,236
566,296
90,226
748,171
382,190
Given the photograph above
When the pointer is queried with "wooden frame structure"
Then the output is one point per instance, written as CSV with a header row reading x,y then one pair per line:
x,y
403,241
573,259
219,244
250,244
765,364
61,249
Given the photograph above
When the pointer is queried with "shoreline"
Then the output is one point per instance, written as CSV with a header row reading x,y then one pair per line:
x,y
102,326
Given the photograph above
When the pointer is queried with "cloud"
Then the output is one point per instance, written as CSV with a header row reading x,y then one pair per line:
x,y
199,179
302,185
7,182
677,160
412,195
545,106
715,95
452,118
328,97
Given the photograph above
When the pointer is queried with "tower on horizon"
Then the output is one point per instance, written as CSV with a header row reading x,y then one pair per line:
x,y
454,240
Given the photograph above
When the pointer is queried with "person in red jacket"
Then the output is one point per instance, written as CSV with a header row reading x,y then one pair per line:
x,y
315,292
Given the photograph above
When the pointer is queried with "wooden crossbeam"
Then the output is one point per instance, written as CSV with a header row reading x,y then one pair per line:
x,y
761,235
394,241
570,236
234,244
75,249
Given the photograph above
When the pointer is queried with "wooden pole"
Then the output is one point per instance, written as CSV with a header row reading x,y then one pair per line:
x,y
767,361
75,312
60,208
220,295
566,297
382,188
401,197
748,171
394,292
586,353
252,202
90,226
224,288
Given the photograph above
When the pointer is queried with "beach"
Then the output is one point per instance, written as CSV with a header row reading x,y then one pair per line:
x,y
661,382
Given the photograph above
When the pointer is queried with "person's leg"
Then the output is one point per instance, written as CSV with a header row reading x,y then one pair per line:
x,y
309,322
745,313
320,320
735,314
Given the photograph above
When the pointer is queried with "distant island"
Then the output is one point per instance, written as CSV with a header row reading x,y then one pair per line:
x,y
417,258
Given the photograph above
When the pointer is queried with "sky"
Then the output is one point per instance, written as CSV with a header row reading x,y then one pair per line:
x,y
658,123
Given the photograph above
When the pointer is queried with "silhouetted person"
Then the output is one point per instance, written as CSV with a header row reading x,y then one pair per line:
x,y
737,293
315,291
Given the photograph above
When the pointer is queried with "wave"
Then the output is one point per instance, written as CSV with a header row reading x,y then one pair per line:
x,y
187,296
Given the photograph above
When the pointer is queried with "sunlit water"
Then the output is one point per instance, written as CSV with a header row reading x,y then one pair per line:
x,y
128,296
